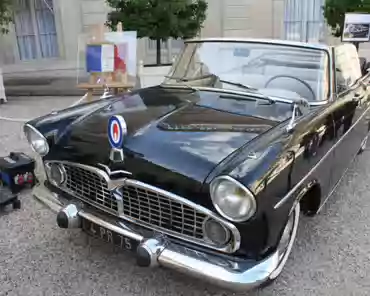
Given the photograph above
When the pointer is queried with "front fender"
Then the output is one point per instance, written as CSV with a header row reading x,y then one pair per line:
x,y
264,168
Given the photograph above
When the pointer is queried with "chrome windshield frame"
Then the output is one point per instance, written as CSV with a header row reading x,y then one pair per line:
x,y
320,47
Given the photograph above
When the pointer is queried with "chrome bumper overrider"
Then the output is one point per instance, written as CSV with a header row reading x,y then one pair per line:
x,y
234,275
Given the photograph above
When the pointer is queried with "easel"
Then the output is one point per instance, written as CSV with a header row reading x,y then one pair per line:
x,y
117,80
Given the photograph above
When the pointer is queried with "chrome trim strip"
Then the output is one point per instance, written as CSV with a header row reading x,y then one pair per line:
x,y
317,46
332,191
114,185
304,179
241,275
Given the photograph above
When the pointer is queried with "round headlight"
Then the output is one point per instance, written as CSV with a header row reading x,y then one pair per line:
x,y
56,173
37,141
232,200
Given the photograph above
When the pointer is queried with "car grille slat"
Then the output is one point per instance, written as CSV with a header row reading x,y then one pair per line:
x,y
139,204
161,211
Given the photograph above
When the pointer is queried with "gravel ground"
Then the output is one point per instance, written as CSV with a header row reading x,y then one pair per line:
x,y
330,257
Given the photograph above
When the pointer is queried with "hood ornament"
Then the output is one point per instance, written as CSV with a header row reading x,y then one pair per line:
x,y
117,130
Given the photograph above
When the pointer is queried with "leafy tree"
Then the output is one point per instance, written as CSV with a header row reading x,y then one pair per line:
x,y
334,12
6,14
158,19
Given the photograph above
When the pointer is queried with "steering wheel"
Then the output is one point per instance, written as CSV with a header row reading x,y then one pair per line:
x,y
295,78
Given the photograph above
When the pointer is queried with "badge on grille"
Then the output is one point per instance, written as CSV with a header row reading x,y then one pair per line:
x,y
117,129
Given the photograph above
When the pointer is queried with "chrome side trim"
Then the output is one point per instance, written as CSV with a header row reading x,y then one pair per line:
x,y
332,191
318,46
313,169
114,185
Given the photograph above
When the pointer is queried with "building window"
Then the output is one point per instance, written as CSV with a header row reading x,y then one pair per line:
x,y
304,20
169,49
35,29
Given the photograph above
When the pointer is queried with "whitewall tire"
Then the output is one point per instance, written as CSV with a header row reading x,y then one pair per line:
x,y
286,241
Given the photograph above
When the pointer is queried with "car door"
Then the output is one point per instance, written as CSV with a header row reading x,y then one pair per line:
x,y
350,110
316,150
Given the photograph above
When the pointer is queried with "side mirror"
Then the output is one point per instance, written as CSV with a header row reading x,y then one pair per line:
x,y
292,123
300,107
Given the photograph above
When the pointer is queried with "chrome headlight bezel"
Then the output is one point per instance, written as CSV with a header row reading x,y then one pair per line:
x,y
248,196
59,169
30,131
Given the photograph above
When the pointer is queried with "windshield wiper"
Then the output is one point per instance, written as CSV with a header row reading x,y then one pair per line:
x,y
241,85
251,89
248,97
178,79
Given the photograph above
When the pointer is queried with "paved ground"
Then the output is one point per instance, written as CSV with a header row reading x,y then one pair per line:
x,y
331,255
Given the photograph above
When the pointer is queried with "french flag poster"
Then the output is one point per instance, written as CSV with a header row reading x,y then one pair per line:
x,y
100,58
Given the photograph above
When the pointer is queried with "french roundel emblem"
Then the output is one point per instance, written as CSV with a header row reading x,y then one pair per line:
x,y
117,129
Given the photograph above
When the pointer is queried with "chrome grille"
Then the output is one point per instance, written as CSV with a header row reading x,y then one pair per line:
x,y
153,208
143,204
89,186
138,203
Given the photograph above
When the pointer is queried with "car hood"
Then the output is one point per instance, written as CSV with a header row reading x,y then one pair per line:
x,y
172,133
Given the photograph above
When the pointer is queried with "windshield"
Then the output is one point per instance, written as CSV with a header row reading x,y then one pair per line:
x,y
273,69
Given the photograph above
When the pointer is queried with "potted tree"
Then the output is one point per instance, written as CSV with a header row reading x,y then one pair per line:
x,y
158,19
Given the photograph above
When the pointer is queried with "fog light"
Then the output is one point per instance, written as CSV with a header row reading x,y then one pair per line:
x,y
216,232
56,173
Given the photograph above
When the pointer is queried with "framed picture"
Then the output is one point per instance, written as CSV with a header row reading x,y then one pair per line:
x,y
356,27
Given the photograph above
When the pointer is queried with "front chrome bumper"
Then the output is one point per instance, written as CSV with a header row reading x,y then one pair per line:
x,y
234,275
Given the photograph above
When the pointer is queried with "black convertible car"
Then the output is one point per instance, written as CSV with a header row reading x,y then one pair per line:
x,y
208,172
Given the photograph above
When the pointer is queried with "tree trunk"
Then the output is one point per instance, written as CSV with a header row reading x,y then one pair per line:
x,y
159,52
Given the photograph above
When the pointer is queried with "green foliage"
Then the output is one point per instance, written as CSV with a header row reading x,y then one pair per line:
x,y
159,19
6,15
334,11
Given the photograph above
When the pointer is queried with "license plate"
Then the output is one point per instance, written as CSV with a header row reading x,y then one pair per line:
x,y
109,236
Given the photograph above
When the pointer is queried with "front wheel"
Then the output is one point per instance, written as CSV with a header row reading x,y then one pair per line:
x,y
286,242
